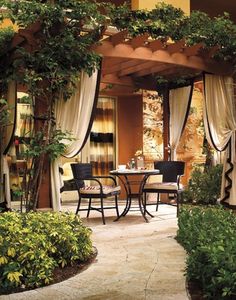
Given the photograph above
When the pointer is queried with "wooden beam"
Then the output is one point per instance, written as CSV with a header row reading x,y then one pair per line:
x,y
118,37
113,79
116,90
146,83
157,45
139,40
193,50
175,47
145,53
112,66
155,68
135,68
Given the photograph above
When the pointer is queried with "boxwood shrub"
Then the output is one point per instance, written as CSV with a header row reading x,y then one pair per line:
x,y
32,245
209,236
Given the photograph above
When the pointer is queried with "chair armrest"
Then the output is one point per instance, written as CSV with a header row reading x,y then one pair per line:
x,y
178,180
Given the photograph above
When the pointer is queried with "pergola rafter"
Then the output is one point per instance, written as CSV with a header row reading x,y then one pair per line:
x,y
143,59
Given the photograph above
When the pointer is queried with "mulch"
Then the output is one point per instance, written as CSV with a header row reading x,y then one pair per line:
x,y
195,291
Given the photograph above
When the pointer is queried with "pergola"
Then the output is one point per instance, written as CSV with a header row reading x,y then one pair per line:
x,y
131,63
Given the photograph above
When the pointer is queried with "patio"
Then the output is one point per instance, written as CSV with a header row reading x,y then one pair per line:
x,y
136,260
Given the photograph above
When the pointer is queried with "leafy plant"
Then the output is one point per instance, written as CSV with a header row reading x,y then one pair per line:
x,y
62,46
16,191
6,35
38,148
32,245
204,186
209,236
49,71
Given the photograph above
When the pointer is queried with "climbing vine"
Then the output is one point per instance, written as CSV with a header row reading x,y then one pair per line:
x,y
68,30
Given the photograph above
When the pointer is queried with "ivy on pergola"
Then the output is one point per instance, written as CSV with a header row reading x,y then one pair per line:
x,y
55,41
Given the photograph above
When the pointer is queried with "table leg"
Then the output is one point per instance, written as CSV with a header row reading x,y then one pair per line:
x,y
128,199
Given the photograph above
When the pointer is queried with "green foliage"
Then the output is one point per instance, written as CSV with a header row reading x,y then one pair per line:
x,y
161,22
163,84
68,30
54,147
166,21
33,244
203,186
4,113
209,236
6,35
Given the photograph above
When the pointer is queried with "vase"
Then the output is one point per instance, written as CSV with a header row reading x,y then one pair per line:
x,y
140,162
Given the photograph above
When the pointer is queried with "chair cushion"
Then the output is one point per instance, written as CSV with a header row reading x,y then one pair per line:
x,y
162,186
95,189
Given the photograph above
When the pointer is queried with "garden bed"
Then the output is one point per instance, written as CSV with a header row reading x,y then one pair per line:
x,y
38,249
208,234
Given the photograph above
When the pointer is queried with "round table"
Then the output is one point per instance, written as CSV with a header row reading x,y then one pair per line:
x,y
125,177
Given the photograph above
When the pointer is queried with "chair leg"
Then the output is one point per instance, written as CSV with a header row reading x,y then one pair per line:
x,y
145,203
78,206
117,208
102,211
89,207
158,200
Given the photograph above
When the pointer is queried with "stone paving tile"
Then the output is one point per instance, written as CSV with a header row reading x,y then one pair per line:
x,y
136,261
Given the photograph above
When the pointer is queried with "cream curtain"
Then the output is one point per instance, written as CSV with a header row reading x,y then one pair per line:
x,y
179,104
7,140
74,115
220,125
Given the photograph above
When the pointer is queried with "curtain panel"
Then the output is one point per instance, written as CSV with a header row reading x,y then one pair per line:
x,y
179,105
75,116
220,126
7,140
102,137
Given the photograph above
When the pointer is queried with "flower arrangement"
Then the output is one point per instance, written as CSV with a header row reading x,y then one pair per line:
x,y
138,153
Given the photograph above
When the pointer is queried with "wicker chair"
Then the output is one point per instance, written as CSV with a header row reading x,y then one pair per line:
x,y
82,173
171,172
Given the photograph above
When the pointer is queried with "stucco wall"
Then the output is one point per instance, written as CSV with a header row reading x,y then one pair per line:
x,y
150,4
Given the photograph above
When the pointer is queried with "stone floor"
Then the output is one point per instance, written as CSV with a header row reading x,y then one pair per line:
x,y
136,261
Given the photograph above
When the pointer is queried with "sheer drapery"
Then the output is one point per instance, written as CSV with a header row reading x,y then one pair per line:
x,y
75,116
179,104
102,137
220,126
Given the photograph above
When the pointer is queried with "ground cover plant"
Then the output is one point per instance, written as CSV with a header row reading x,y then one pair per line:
x,y
209,236
33,245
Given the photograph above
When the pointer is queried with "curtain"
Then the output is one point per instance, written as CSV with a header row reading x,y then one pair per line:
x,y
220,125
7,140
179,104
74,115
102,137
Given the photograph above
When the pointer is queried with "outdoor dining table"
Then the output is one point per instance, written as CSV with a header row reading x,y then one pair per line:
x,y
126,177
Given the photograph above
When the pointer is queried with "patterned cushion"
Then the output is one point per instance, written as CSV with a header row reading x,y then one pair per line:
x,y
163,186
95,189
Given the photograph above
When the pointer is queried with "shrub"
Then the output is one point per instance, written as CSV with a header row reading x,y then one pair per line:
x,y
204,186
32,245
209,236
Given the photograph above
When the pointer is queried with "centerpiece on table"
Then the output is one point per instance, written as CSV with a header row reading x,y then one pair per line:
x,y
139,159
